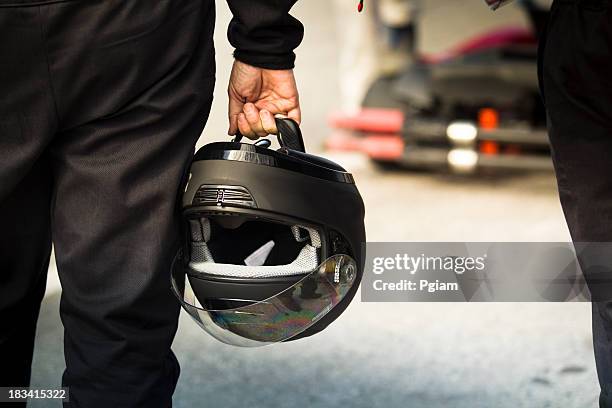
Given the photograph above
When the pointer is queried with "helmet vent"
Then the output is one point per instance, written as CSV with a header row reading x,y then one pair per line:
x,y
223,195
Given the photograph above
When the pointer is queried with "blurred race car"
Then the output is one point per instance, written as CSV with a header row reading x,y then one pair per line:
x,y
475,106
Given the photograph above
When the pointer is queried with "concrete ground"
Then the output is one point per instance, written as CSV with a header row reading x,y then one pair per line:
x,y
418,355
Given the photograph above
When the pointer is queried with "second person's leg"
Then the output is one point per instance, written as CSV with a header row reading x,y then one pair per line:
x,y
577,88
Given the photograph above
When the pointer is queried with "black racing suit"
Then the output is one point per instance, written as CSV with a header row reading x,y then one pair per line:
x,y
576,83
101,105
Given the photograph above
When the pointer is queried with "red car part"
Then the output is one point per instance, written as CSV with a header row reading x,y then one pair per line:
x,y
498,38
370,120
376,146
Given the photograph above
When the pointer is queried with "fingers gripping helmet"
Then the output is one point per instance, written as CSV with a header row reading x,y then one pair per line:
x,y
272,241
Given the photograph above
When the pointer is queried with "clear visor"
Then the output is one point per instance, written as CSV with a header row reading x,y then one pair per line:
x,y
276,319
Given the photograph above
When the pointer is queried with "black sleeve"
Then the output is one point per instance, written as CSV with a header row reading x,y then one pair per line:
x,y
263,32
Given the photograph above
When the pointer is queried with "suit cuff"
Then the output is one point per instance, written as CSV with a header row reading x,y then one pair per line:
x,y
266,61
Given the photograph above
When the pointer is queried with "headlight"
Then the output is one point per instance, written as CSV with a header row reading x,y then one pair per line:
x,y
462,160
462,132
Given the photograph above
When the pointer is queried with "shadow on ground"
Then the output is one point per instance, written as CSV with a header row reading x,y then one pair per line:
x,y
383,355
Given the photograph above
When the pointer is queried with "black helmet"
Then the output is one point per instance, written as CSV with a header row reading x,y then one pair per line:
x,y
272,240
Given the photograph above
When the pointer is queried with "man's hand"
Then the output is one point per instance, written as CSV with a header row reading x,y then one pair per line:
x,y
256,95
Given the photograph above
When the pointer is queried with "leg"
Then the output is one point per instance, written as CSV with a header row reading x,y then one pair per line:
x,y
602,344
578,93
25,247
27,123
133,106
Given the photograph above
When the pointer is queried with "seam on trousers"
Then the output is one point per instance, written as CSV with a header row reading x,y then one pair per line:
x,y
43,38
33,4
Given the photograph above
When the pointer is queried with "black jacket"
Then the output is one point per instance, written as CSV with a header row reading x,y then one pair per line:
x,y
262,31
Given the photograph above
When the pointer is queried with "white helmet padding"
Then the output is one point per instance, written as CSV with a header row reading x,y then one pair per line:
x,y
202,260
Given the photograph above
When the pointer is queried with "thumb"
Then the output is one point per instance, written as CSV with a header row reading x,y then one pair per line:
x,y
234,109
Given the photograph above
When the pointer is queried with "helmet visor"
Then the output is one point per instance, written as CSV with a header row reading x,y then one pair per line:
x,y
283,316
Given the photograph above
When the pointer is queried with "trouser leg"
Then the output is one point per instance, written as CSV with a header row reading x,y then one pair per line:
x,y
577,89
27,123
25,247
134,99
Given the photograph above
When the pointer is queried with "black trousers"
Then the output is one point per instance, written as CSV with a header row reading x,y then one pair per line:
x,y
576,83
101,104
